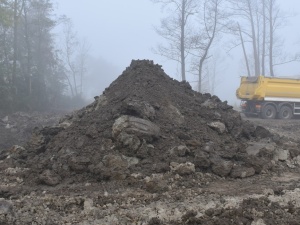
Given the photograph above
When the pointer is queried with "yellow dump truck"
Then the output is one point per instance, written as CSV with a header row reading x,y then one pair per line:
x,y
270,97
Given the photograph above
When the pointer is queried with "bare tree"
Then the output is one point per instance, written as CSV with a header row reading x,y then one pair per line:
x,y
75,54
246,12
175,29
244,50
263,56
259,21
212,21
70,45
82,60
17,9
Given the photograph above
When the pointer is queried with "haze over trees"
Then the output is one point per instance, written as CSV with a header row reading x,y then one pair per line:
x,y
33,72
257,26
41,70
189,34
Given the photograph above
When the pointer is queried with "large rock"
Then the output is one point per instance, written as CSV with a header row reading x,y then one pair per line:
x,y
139,127
115,167
221,167
139,108
281,155
218,126
129,141
254,148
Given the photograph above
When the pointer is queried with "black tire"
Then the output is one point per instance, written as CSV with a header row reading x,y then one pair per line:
x,y
268,112
285,113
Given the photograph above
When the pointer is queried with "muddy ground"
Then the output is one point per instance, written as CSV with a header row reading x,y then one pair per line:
x,y
286,128
150,150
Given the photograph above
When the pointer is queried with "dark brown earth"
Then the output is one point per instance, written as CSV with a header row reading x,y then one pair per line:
x,y
150,150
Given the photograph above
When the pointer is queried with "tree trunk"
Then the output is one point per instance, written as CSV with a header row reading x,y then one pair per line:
x,y
258,41
28,48
271,39
264,40
254,39
15,40
182,41
211,39
244,50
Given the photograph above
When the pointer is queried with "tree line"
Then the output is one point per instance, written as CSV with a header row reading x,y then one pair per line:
x,y
191,28
34,73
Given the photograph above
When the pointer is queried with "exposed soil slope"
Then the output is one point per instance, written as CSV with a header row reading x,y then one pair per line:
x,y
145,122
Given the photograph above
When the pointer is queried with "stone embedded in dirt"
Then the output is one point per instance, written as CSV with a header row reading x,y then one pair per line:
x,y
281,155
141,109
155,184
259,148
218,126
242,172
180,150
202,160
258,163
262,132
220,166
49,178
182,168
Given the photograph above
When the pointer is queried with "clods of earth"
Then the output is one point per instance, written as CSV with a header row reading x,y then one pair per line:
x,y
150,150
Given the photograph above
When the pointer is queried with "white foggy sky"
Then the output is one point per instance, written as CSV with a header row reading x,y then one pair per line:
x,y
121,30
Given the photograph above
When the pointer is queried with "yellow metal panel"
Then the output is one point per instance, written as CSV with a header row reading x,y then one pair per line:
x,y
257,88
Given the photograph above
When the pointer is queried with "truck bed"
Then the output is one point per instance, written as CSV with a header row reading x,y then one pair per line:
x,y
269,89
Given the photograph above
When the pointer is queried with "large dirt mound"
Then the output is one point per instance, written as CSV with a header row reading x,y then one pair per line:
x,y
145,122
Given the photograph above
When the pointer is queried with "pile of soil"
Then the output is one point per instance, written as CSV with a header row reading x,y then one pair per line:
x,y
145,122
150,150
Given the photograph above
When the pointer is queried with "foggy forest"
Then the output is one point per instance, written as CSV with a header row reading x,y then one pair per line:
x,y
46,64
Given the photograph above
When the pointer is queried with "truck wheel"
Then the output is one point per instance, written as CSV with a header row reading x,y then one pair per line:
x,y
268,112
285,113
